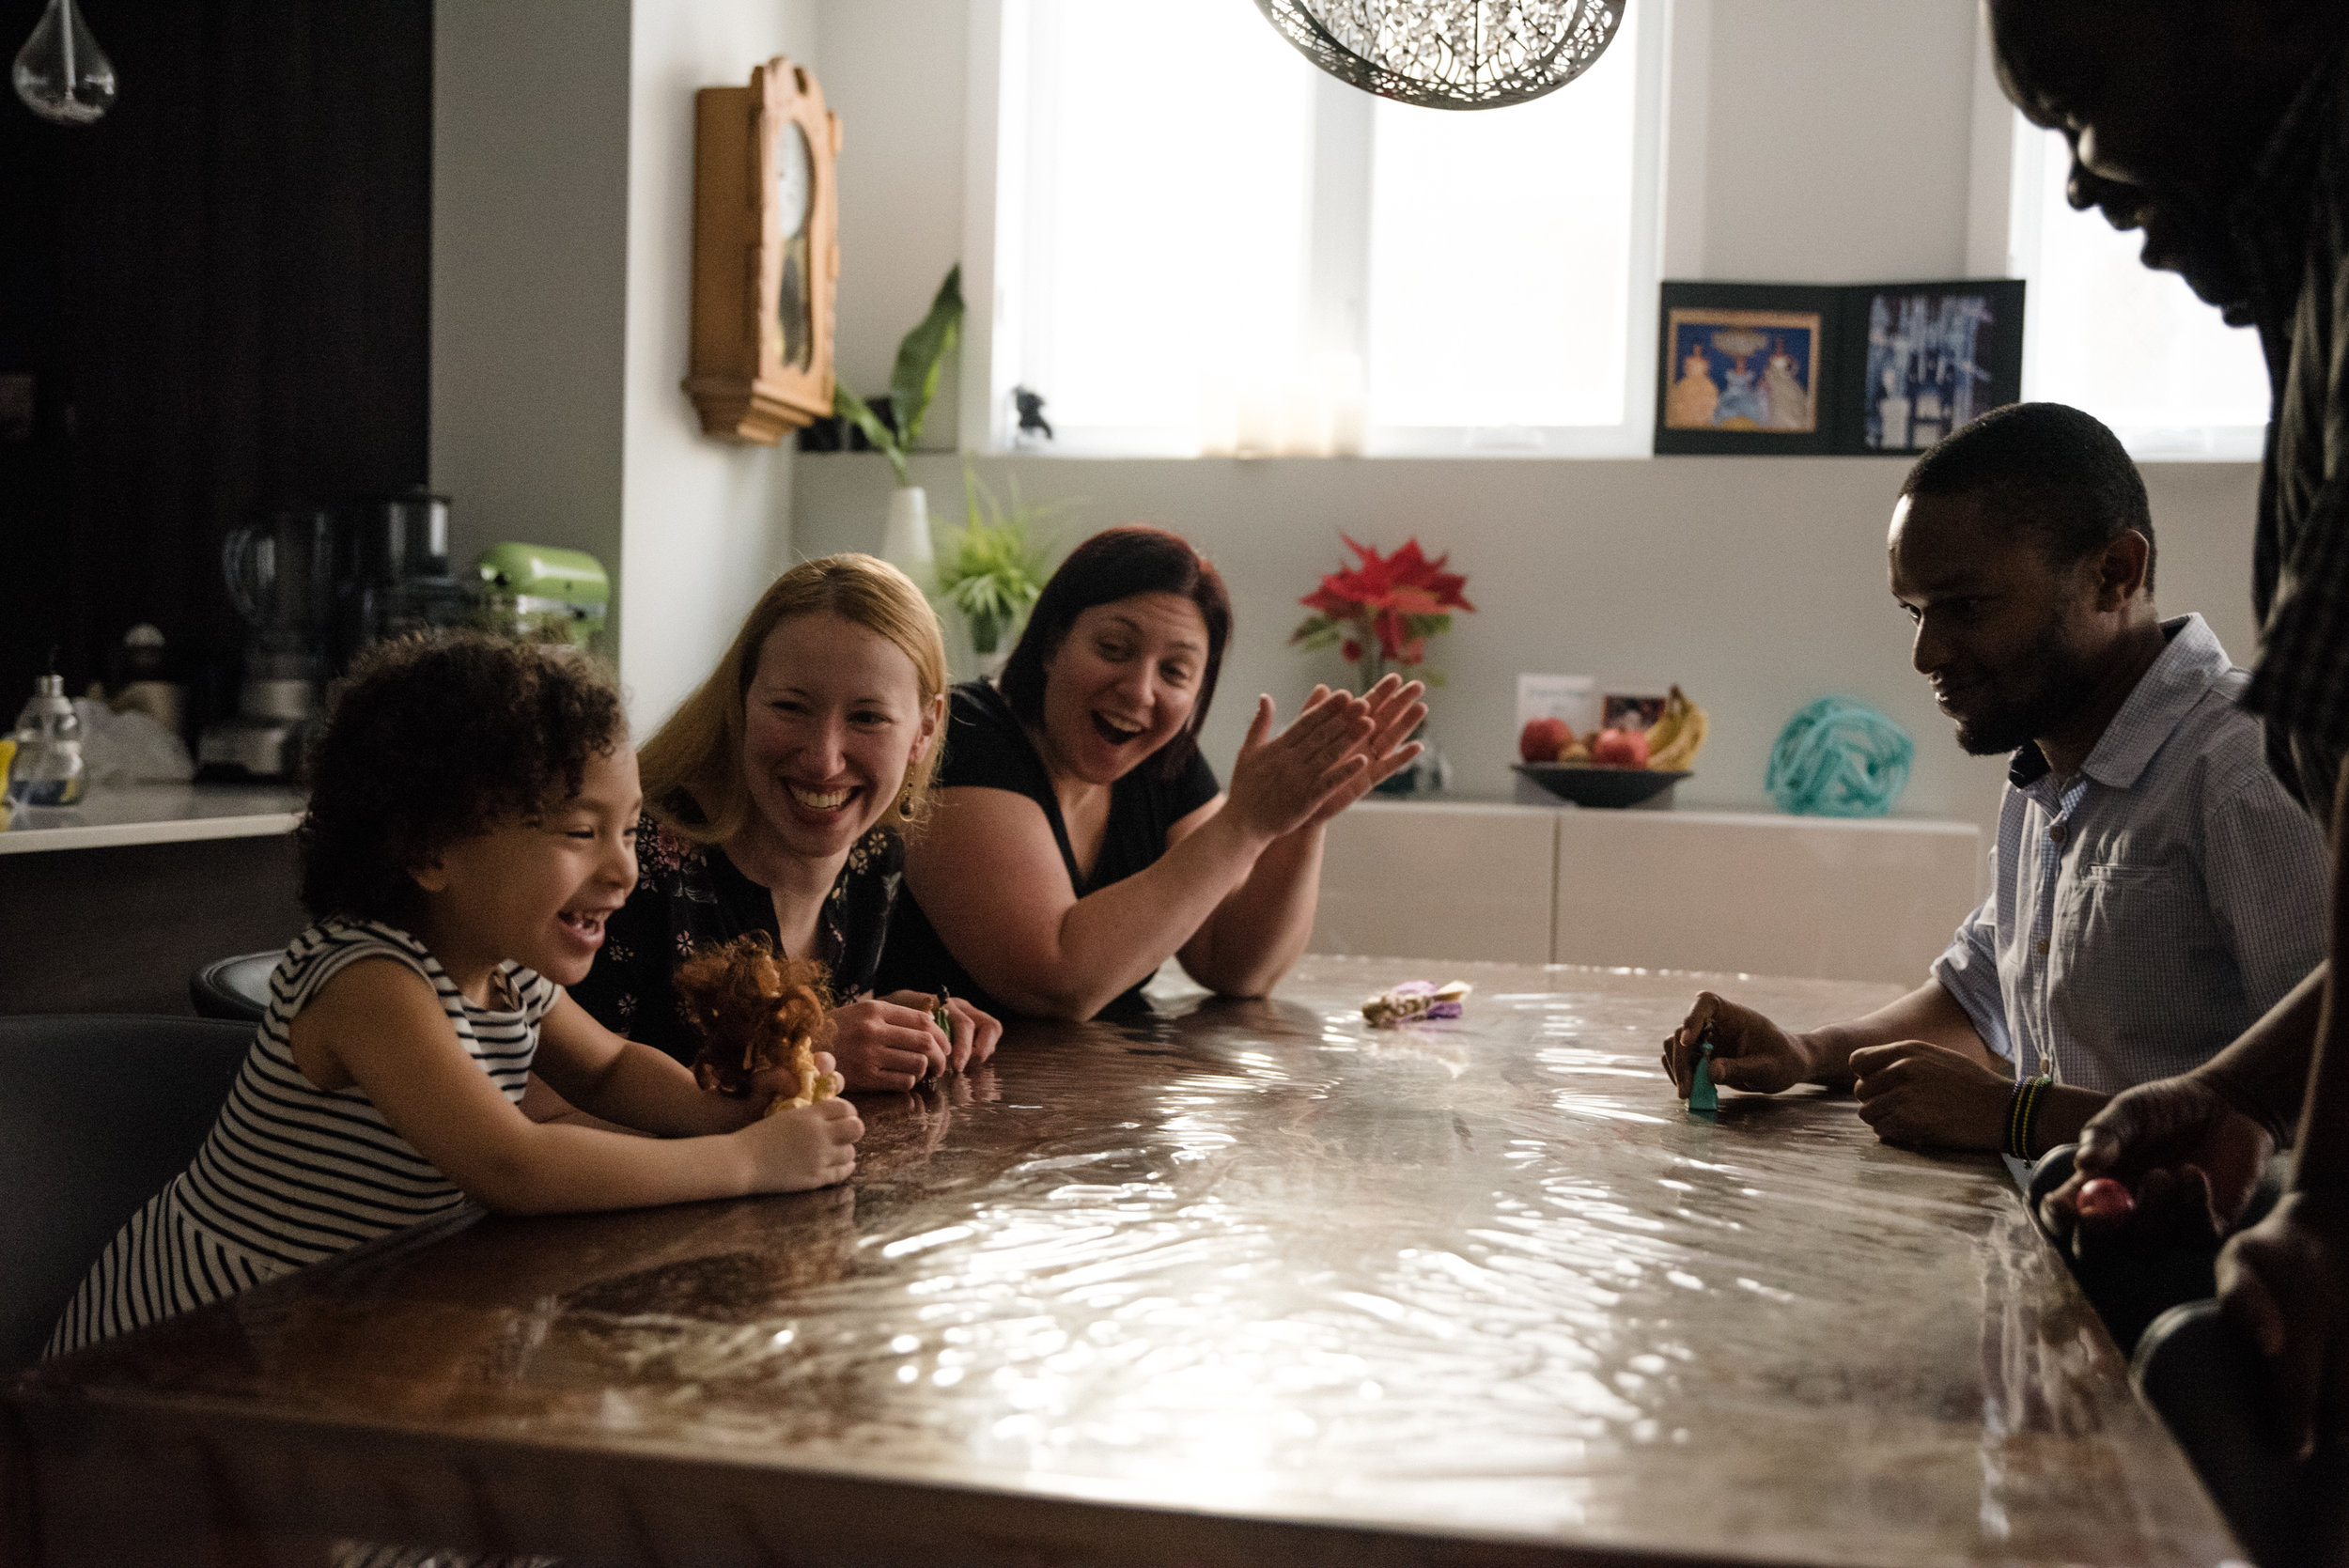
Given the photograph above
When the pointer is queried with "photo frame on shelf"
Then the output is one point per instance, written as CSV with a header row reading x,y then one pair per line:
x,y
1747,368
765,254
1920,359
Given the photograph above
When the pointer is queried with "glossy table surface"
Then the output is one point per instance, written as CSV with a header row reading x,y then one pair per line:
x,y
1242,1282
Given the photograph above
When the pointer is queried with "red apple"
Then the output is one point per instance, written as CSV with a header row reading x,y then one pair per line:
x,y
1543,738
1620,748
2105,1199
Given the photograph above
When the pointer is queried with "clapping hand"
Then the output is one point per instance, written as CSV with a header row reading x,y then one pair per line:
x,y
1280,782
1395,714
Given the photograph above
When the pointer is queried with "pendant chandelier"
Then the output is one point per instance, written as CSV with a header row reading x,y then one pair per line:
x,y
1449,54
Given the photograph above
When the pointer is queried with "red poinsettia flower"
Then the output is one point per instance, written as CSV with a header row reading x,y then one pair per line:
x,y
1406,580
1384,608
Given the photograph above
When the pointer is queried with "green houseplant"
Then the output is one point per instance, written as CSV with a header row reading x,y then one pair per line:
x,y
994,566
912,383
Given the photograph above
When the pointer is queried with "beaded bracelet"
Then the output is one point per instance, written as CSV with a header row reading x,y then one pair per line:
x,y
2022,1114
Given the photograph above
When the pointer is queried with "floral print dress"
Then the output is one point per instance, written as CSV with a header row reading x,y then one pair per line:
x,y
689,897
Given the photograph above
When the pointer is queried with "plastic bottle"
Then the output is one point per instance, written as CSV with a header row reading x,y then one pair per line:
x,y
48,770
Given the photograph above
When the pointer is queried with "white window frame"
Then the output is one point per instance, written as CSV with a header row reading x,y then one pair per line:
x,y
1001,222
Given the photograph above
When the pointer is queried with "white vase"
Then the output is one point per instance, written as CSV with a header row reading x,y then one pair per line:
x,y
905,537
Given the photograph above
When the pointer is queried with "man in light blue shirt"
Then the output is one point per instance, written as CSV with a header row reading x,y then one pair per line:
x,y
2154,888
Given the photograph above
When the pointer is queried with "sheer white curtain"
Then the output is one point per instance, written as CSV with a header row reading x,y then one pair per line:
x,y
1216,242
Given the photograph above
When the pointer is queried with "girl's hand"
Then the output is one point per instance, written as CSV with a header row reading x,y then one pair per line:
x,y
813,1146
970,1041
1281,781
883,1042
1395,711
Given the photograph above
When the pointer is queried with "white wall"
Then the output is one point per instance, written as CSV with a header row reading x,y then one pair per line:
x,y
563,156
1837,139
530,131
895,71
705,524
1756,584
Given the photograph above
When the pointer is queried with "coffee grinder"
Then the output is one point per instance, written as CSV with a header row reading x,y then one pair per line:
x,y
394,578
281,578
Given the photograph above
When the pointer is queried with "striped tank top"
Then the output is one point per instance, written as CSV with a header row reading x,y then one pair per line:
x,y
291,1174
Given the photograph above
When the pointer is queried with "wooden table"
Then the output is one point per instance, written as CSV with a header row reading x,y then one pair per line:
x,y
1244,1283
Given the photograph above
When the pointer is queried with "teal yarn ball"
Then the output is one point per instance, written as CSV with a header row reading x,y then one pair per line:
x,y
1839,757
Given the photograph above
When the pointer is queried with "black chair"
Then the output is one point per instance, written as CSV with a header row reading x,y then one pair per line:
x,y
234,988
2210,1384
97,1112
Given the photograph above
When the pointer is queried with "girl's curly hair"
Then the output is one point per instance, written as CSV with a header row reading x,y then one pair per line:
x,y
433,739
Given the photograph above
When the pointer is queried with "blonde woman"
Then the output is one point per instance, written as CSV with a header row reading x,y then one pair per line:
x,y
776,801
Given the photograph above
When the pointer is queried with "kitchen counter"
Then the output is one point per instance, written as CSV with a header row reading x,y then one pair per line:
x,y
110,905
114,815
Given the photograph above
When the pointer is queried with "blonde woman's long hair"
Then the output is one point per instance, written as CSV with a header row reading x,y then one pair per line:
x,y
692,764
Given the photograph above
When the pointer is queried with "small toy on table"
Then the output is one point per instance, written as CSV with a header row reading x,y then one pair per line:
x,y
1702,1094
754,1011
1414,1002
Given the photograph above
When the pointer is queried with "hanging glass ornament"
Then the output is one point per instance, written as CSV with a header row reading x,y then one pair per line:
x,y
61,73
1449,54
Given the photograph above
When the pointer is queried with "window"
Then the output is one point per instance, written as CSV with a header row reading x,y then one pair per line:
x,y
1204,244
2131,345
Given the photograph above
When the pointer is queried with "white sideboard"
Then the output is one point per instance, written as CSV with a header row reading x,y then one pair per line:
x,y
1695,890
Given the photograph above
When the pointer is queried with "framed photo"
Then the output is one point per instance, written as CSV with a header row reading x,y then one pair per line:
x,y
1620,711
1924,358
1748,368
765,254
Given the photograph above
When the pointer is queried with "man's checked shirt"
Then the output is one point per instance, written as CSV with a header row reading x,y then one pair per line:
x,y
2144,912
2291,231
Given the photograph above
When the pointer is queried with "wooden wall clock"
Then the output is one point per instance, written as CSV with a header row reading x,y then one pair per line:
x,y
766,254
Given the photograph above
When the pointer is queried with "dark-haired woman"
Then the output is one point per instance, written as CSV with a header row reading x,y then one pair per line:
x,y
1080,840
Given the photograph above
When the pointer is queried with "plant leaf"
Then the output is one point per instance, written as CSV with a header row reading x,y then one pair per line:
x,y
914,381
849,406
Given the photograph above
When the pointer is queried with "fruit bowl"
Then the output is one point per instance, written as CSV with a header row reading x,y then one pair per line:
x,y
1586,786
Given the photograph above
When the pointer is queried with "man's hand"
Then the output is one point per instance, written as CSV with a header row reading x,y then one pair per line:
x,y
1750,1051
2189,1159
1926,1095
2286,1280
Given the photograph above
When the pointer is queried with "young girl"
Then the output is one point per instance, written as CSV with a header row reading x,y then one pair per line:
x,y
472,823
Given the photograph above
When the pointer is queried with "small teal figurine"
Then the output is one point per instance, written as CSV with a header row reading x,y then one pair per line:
x,y
1702,1094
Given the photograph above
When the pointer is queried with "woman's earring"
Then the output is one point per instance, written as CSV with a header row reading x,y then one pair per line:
x,y
905,800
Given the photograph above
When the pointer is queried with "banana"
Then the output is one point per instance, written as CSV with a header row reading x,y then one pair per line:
x,y
1666,729
1676,738
1684,745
